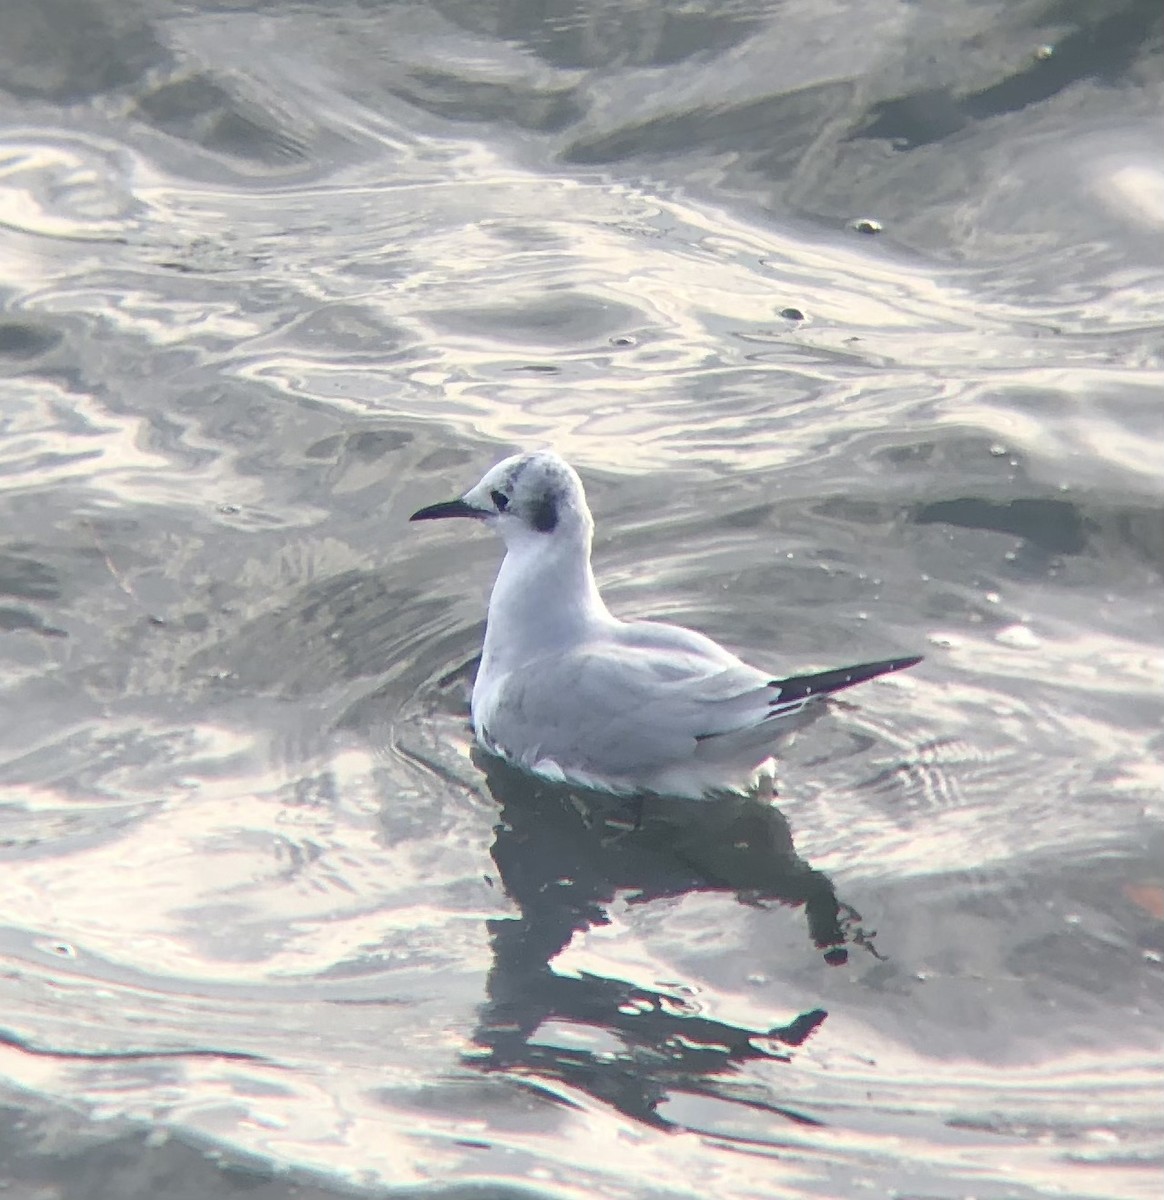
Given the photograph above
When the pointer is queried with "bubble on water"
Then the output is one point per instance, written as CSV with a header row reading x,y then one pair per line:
x,y
792,314
623,339
676,1006
1044,52
944,641
867,225
1018,637
993,598
997,450
266,1121
58,949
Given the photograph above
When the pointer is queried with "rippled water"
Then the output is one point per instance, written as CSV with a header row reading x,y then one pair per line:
x,y
274,276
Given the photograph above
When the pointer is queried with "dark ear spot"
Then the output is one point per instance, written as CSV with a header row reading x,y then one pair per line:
x,y
545,515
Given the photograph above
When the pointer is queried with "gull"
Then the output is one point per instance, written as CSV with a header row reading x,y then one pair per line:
x,y
570,692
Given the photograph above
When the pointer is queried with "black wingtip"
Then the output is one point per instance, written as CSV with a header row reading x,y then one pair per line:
x,y
801,687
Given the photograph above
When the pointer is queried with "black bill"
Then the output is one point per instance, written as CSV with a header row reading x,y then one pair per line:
x,y
449,508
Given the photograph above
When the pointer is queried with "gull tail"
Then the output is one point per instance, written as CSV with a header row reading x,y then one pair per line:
x,y
799,688
797,700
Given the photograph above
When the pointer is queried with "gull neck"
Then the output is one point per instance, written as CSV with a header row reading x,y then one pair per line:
x,y
545,597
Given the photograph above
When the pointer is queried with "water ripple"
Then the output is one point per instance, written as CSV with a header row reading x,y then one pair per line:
x,y
275,278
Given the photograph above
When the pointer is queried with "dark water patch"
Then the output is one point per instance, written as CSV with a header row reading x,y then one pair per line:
x,y
14,619
550,319
1047,526
43,1147
370,445
769,133
21,341
577,35
28,578
25,1046
201,110
1054,525
451,95
344,329
1104,49
68,51
352,625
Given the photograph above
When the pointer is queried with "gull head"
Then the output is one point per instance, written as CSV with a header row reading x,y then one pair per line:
x,y
530,496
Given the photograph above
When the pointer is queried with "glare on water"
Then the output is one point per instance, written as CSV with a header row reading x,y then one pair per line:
x,y
274,278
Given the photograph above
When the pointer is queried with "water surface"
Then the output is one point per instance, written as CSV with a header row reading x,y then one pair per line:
x,y
275,276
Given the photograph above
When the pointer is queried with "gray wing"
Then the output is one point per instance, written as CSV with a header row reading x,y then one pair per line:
x,y
624,709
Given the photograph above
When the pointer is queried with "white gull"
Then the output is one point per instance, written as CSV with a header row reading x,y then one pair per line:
x,y
567,690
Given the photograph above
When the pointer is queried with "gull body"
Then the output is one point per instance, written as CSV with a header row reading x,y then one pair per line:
x,y
571,692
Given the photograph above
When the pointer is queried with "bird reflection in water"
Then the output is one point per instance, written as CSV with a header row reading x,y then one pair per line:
x,y
602,847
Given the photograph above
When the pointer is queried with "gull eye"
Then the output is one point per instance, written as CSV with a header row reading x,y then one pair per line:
x,y
500,499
